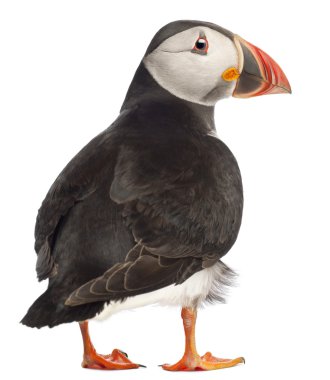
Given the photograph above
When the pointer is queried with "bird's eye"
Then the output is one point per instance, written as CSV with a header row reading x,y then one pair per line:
x,y
201,46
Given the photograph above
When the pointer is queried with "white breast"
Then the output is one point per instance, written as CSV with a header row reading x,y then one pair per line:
x,y
209,282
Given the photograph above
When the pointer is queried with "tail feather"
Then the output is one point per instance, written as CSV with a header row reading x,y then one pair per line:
x,y
50,311
40,313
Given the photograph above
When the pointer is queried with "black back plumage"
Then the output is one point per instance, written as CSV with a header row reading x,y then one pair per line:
x,y
147,203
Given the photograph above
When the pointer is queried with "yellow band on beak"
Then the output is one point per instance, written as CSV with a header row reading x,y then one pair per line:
x,y
230,74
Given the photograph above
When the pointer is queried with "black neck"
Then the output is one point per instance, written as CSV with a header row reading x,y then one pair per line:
x,y
144,88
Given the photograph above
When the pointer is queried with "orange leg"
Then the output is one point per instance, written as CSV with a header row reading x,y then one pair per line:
x,y
116,360
191,361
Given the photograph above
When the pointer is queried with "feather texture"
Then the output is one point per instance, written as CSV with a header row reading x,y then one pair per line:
x,y
145,205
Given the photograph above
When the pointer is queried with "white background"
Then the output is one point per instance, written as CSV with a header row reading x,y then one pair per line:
x,y
64,70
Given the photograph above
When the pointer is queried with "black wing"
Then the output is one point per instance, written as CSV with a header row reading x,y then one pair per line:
x,y
183,203
75,183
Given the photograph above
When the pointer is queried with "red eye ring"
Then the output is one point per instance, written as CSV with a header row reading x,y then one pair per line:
x,y
201,45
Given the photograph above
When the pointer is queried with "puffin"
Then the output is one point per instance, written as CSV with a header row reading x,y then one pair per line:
x,y
144,213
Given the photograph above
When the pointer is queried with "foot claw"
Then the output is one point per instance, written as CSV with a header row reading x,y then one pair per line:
x,y
124,353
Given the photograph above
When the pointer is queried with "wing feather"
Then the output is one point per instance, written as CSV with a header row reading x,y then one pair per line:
x,y
184,213
76,182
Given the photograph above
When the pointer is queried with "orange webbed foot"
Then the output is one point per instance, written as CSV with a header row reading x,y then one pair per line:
x,y
191,361
206,362
91,359
116,360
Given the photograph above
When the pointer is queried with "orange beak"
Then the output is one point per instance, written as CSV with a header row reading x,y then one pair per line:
x,y
259,73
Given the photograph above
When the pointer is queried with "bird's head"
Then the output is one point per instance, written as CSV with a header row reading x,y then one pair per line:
x,y
201,62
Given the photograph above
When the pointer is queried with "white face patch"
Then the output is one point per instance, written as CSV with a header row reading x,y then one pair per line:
x,y
192,76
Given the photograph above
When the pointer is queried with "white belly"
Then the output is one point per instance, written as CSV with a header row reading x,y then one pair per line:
x,y
194,291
